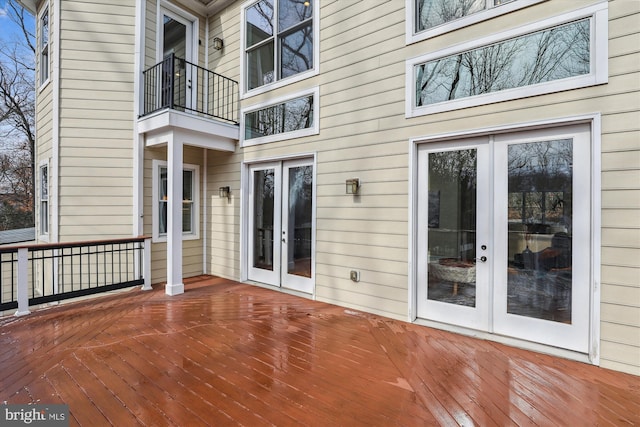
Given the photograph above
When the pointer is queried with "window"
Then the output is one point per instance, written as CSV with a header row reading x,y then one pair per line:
x,y
190,184
44,199
560,56
429,18
44,45
286,119
278,41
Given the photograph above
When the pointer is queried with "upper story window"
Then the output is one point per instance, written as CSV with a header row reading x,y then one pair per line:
x,y
286,118
43,47
565,52
429,18
280,39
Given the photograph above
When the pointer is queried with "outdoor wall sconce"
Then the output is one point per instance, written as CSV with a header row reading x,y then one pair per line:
x,y
217,43
224,192
353,185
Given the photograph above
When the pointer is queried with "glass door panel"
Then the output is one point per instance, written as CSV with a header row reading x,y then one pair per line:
x,y
542,274
452,227
297,226
540,214
453,233
264,206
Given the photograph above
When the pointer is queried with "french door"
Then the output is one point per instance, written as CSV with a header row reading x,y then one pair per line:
x,y
504,235
281,224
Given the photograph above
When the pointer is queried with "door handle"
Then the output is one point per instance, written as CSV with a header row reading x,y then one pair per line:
x,y
284,240
482,258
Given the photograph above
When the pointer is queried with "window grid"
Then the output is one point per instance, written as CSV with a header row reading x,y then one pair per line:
x,y
265,62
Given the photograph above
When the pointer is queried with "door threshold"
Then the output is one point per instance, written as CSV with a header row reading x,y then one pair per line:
x,y
293,292
510,341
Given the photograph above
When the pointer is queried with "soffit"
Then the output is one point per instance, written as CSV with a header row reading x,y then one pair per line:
x,y
205,7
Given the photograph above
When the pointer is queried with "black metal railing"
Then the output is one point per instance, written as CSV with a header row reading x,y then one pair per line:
x,y
180,85
54,272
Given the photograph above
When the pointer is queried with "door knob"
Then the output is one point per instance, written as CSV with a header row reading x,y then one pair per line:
x,y
483,258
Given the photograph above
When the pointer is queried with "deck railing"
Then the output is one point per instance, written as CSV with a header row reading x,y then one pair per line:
x,y
38,274
180,85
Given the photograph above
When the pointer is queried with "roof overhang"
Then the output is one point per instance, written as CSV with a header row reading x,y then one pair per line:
x,y
206,7
30,5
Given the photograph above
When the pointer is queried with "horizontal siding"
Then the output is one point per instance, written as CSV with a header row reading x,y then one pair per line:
x,y
192,264
96,119
223,222
620,308
364,133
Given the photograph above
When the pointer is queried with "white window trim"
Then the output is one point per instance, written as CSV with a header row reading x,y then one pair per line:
x,y
44,82
41,235
315,70
313,130
413,36
155,213
599,74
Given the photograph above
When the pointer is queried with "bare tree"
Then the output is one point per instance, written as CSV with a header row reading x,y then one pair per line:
x,y
17,117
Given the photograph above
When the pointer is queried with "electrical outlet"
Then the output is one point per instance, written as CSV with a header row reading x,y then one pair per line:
x,y
354,275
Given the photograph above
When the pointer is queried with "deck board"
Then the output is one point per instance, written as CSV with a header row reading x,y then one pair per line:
x,y
225,353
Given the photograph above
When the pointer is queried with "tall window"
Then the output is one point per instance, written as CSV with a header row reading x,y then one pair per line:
x,y
279,38
44,45
44,199
189,201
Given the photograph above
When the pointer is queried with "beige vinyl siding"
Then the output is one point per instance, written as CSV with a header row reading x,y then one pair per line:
x,y
192,264
364,133
223,222
96,119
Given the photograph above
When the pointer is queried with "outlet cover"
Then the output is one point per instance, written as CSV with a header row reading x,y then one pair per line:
x,y
354,275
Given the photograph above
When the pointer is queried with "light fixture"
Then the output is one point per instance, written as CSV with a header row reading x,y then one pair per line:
x,y
224,192
353,185
307,3
217,43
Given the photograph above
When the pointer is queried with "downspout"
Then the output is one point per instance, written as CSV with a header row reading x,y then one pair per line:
x,y
205,212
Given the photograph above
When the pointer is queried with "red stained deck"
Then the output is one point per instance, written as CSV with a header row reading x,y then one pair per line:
x,y
225,353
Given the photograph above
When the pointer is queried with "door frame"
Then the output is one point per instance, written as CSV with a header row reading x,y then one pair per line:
x,y
192,24
164,7
245,220
595,122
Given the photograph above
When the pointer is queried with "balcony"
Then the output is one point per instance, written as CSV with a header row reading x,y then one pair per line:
x,y
188,102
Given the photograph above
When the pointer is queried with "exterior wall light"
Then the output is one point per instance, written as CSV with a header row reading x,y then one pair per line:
x,y
353,185
224,192
217,43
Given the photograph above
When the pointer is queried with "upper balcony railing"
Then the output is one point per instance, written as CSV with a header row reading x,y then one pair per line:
x,y
180,85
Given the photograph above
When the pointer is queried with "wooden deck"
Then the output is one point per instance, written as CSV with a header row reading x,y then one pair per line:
x,y
225,353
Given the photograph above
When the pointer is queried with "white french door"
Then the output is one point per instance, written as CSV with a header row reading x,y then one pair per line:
x,y
504,232
281,224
